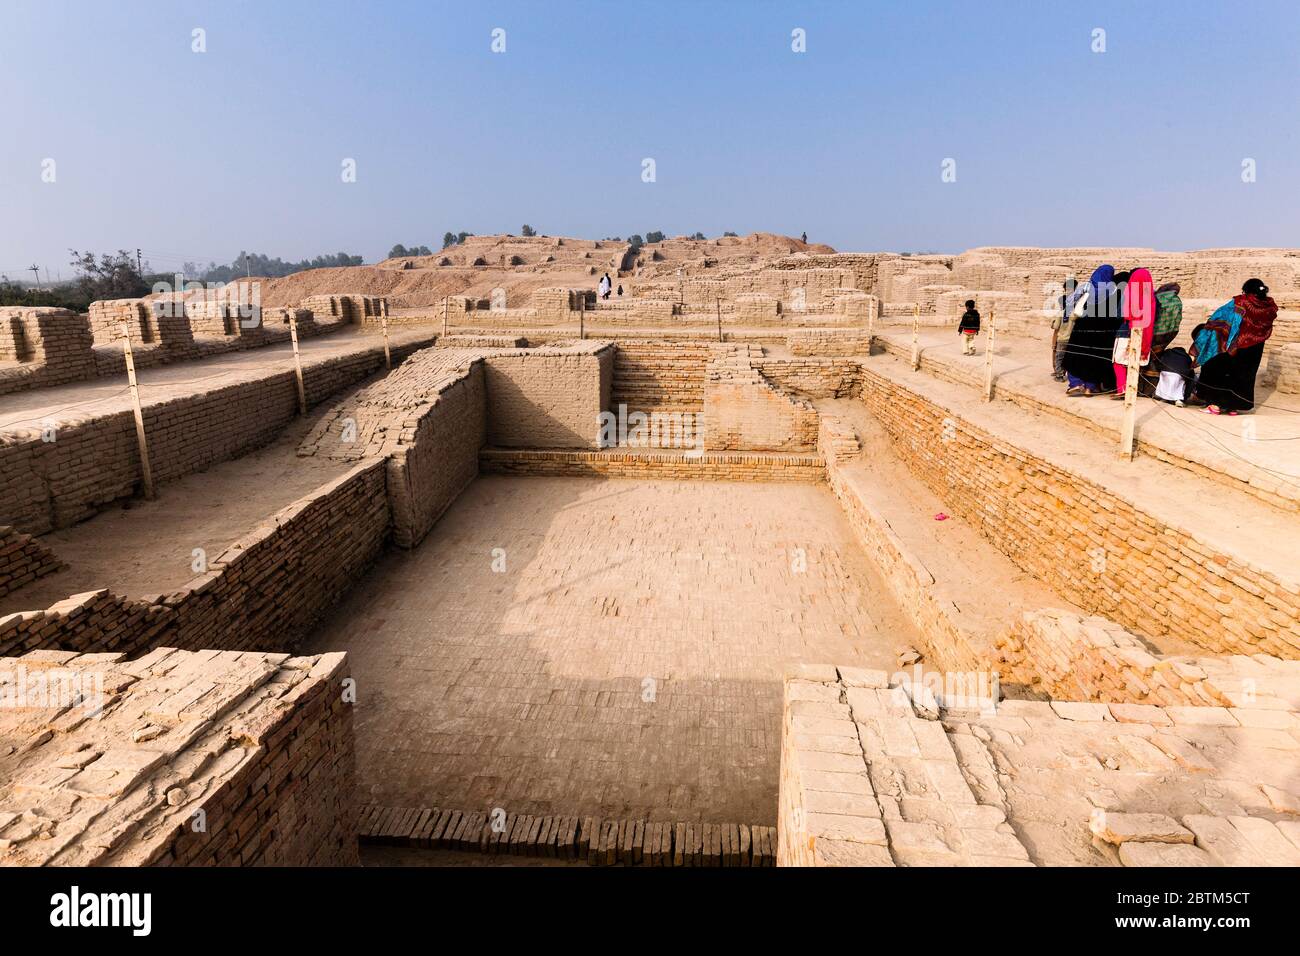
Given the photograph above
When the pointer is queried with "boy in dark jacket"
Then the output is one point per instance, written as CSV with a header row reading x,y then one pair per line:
x,y
968,328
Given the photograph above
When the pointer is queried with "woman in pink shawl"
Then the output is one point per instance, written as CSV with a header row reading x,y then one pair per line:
x,y
1139,313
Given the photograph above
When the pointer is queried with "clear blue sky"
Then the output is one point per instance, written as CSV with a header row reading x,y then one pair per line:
x,y
196,156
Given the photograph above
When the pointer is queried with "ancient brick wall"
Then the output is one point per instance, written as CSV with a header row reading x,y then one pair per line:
x,y
1070,657
1153,578
202,759
813,377
545,399
1284,369
829,342
107,316
53,484
743,411
661,464
438,458
53,346
264,592
23,559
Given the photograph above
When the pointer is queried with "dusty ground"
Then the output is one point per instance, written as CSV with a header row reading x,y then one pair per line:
x,y
626,663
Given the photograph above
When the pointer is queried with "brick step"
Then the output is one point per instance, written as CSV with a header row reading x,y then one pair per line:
x,y
666,463
600,842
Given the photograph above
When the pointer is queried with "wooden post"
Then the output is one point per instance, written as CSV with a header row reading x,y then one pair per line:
x,y
718,301
146,475
916,336
445,302
871,322
297,362
988,356
383,318
1129,425
582,315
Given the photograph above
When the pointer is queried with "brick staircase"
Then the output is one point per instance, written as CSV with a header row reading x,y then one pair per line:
x,y
657,376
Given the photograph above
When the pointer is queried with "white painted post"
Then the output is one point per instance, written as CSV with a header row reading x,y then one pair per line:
x,y
988,356
916,336
871,323
1129,424
146,474
297,361
383,318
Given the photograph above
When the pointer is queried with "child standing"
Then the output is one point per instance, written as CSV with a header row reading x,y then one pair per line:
x,y
968,328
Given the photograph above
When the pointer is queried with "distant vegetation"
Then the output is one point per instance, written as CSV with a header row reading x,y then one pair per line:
x,y
730,234
528,231
106,276
454,238
653,237
255,263
399,250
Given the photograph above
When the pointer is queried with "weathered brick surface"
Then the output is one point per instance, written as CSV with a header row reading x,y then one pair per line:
x,y
53,484
50,347
829,342
618,463
597,841
548,398
195,758
23,559
744,411
264,592
1055,523
1071,657
874,773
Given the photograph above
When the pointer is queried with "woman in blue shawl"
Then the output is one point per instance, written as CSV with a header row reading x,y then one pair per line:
x,y
1088,362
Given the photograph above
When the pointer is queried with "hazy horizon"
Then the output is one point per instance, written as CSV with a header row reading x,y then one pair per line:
x,y
193,156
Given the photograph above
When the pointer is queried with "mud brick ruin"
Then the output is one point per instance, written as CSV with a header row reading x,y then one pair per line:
x,y
739,568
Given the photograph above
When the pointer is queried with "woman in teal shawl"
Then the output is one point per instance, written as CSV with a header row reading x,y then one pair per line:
x,y
1229,349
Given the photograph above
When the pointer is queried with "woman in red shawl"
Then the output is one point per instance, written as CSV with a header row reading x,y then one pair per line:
x,y
1139,312
1227,382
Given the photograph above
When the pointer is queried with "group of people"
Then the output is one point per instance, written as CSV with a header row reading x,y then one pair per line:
x,y
1099,318
606,285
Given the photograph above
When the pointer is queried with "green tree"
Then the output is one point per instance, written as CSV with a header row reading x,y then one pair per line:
x,y
528,230
653,237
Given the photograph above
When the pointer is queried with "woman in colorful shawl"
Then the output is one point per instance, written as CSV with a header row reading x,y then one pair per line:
x,y
1088,357
1169,316
1139,305
1230,347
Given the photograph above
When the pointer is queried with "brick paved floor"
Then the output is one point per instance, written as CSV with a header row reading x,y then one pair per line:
x,y
525,689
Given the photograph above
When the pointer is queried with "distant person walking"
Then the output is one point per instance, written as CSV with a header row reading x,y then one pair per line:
x,y
1073,293
604,286
1229,349
620,290
968,328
